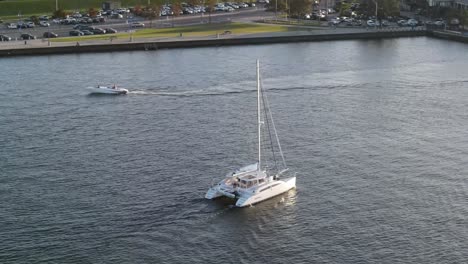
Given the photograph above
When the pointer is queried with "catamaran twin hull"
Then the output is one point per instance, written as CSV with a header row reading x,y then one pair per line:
x,y
247,197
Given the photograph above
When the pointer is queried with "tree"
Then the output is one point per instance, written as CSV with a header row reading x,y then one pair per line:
x,y
92,12
385,8
299,7
388,8
277,5
194,2
35,20
60,13
177,9
137,10
210,8
151,12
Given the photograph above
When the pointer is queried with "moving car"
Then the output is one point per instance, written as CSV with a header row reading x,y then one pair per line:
x,y
87,32
76,33
99,31
5,38
50,35
110,30
137,24
26,36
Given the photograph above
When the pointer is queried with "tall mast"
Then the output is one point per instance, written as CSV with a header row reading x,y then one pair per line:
x,y
259,118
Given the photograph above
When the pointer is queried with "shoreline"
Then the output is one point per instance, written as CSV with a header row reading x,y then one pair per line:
x,y
42,48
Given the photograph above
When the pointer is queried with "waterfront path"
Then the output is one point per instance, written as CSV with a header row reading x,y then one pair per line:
x,y
43,46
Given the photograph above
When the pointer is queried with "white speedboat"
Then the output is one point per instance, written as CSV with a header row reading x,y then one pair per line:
x,y
255,183
107,90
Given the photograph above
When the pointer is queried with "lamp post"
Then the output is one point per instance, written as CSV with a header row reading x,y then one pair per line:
x,y
56,5
376,6
276,10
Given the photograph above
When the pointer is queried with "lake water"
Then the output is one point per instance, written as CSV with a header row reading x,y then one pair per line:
x,y
376,131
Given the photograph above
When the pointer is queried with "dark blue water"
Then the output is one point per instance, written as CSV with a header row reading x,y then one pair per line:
x,y
376,130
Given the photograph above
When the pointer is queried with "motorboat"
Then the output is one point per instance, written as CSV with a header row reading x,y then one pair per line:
x,y
100,89
262,180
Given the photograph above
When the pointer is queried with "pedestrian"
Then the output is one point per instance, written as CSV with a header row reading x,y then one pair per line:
x,y
25,42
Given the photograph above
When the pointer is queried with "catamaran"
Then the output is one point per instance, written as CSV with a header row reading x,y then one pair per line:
x,y
259,181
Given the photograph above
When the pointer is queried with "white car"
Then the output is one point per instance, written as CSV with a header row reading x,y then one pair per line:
x,y
44,24
137,24
12,26
371,23
412,22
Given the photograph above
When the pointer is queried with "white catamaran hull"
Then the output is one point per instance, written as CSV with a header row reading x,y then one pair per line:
x,y
250,197
268,192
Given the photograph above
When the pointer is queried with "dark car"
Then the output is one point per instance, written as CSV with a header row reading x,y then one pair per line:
x,y
22,25
76,33
110,31
99,31
27,36
4,38
50,35
87,32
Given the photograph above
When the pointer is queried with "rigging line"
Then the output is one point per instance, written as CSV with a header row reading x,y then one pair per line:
x,y
265,111
274,129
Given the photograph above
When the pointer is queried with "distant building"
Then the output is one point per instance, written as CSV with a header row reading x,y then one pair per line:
x,y
458,4
111,5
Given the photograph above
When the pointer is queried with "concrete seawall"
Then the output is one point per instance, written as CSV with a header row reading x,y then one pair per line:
x,y
207,42
449,35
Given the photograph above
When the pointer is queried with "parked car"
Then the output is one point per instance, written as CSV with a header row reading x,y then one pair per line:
x,y
26,36
371,23
402,23
44,24
439,23
412,22
50,35
137,24
21,25
12,26
5,38
76,33
30,24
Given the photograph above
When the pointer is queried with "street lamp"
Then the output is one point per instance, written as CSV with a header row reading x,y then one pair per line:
x,y
376,6
56,5
276,10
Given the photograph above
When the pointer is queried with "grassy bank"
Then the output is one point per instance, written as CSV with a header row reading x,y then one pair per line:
x,y
189,31
11,8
